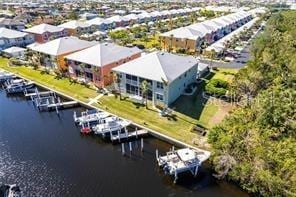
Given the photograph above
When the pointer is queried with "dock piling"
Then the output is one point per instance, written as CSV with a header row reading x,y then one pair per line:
x,y
176,176
196,170
57,109
130,146
122,149
136,132
142,144
156,153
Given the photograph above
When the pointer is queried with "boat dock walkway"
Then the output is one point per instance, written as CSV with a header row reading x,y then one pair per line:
x,y
34,94
63,104
128,135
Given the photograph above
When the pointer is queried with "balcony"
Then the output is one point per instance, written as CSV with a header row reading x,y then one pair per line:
x,y
132,82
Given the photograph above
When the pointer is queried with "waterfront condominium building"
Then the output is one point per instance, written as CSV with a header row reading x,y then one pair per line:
x,y
168,75
45,32
94,64
10,38
52,54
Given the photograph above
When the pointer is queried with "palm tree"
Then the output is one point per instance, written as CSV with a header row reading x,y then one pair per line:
x,y
116,80
145,88
84,73
165,83
171,42
212,55
171,23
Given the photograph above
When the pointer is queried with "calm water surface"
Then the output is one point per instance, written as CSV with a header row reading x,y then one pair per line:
x,y
46,156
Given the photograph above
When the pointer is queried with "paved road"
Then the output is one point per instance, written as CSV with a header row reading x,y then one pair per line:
x,y
239,62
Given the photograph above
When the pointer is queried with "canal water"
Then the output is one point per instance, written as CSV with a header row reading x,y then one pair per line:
x,y
46,156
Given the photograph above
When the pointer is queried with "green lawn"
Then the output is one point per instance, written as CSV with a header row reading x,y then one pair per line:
x,y
152,40
188,110
63,85
226,74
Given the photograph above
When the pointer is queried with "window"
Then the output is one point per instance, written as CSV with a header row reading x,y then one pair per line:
x,y
185,75
159,85
159,97
78,73
130,89
89,75
87,66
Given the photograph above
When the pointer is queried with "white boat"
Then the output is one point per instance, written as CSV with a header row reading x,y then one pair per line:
x,y
182,160
10,191
110,124
6,76
90,116
18,85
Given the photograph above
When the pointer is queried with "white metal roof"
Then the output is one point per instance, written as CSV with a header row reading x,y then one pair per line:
x,y
74,24
98,21
9,33
13,50
103,54
62,46
40,29
158,66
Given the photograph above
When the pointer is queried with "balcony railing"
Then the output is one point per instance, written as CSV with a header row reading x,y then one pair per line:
x,y
132,82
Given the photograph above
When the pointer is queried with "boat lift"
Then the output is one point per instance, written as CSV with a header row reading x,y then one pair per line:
x,y
182,160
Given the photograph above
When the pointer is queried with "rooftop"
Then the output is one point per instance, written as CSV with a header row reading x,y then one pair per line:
x,y
74,24
62,46
42,28
103,54
158,66
9,33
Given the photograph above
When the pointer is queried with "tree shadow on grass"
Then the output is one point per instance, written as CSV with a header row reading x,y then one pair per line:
x,y
193,106
228,73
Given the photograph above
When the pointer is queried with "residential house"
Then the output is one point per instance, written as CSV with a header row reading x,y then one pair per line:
x,y
52,54
11,24
130,19
168,75
117,20
181,38
77,28
101,23
45,32
200,35
16,52
9,38
95,63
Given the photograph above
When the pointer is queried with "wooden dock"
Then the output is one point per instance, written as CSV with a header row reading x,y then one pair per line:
x,y
34,94
66,104
128,135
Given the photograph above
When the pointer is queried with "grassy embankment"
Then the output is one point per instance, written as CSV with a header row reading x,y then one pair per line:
x,y
188,110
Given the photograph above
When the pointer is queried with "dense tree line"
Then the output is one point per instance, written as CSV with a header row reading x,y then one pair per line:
x,y
256,144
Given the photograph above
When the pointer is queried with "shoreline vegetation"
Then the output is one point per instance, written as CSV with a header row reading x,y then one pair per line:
x,y
255,145
188,111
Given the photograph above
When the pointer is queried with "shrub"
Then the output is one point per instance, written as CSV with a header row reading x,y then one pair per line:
x,y
217,87
181,50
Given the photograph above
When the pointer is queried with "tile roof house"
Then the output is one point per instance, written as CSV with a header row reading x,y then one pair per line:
x,y
11,24
168,75
54,52
17,52
101,23
9,38
45,32
76,28
204,33
95,63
